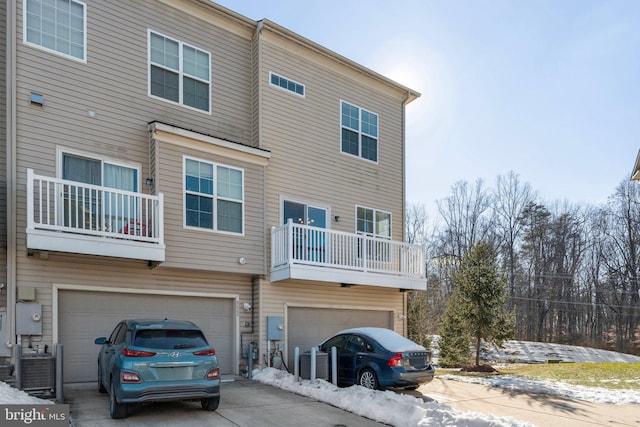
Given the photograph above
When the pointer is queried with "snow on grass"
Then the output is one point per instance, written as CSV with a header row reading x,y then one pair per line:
x,y
382,406
554,388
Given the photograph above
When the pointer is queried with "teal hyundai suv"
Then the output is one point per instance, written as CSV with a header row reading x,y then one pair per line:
x,y
157,360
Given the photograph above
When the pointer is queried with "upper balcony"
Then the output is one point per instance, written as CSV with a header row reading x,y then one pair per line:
x,y
310,253
70,216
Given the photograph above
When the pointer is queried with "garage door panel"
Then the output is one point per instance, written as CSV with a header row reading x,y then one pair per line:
x,y
308,327
84,316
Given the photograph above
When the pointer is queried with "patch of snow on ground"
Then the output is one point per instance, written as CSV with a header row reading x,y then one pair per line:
x,y
382,406
10,395
554,388
541,352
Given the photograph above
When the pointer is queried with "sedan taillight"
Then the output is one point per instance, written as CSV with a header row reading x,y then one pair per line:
x,y
207,352
137,353
395,360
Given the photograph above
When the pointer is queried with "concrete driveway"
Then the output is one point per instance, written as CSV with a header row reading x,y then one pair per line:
x,y
243,402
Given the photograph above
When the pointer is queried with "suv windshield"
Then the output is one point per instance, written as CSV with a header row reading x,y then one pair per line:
x,y
169,339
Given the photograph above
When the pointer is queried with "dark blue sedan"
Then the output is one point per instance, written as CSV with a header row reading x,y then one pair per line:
x,y
157,360
377,358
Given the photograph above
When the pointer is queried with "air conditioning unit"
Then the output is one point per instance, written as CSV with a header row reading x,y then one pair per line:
x,y
322,365
37,372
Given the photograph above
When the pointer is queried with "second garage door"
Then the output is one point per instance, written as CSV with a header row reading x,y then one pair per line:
x,y
308,327
84,316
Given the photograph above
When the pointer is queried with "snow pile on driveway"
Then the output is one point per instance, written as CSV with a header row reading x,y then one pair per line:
x,y
382,406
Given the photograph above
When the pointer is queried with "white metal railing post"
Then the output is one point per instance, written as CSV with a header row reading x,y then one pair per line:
x,y
160,219
334,365
296,363
312,369
290,241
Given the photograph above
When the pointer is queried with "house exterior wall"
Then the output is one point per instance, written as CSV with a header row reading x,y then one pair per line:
x,y
101,108
307,164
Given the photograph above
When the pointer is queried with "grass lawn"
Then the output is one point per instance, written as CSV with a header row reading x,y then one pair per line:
x,y
617,376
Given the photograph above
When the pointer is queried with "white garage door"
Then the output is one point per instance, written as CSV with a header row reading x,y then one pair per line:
x,y
83,316
308,327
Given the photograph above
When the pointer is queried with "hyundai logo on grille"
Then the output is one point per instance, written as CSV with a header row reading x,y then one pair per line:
x,y
174,354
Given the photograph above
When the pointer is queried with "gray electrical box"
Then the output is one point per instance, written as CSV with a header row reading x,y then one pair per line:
x,y
275,325
28,318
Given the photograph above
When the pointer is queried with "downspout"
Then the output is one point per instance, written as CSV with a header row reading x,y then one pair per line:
x,y
11,167
405,328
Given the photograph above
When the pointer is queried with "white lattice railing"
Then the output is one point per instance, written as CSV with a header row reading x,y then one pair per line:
x,y
74,207
303,244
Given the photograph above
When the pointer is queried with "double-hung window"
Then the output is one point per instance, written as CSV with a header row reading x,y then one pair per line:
x,y
376,224
178,72
214,196
56,25
359,129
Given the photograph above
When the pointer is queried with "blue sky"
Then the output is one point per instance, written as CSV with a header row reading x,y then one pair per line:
x,y
547,89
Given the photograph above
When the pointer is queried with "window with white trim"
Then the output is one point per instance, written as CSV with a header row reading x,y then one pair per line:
x,y
373,222
178,72
286,84
214,196
359,129
377,224
56,25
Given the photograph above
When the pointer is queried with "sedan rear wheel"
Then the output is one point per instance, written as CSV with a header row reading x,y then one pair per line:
x,y
367,379
117,410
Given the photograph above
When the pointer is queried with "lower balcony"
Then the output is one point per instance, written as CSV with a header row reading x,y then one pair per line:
x,y
70,216
311,253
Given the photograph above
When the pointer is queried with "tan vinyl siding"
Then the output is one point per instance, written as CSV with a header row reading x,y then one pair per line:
x,y
300,131
210,250
276,296
87,271
113,84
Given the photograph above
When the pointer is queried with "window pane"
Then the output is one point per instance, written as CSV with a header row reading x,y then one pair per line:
x,y
350,142
229,183
369,148
369,123
295,211
196,94
365,220
54,23
199,211
229,216
383,224
196,63
80,169
199,177
350,116
164,84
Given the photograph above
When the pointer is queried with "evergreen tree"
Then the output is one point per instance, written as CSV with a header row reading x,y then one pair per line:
x,y
454,350
482,294
477,309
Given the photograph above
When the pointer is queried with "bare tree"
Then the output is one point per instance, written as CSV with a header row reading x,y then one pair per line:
x,y
511,198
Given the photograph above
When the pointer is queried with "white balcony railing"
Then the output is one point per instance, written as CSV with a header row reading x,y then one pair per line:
x,y
297,244
72,208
